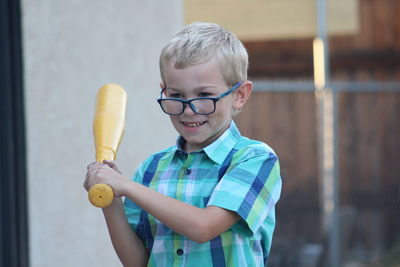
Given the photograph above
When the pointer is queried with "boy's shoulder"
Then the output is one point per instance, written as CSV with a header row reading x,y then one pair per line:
x,y
254,148
247,143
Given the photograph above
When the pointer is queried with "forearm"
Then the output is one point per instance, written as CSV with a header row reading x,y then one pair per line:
x,y
127,245
197,224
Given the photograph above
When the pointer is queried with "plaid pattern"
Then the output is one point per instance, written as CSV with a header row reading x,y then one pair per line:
x,y
234,173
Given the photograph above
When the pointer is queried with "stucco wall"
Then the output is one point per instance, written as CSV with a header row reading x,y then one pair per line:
x,y
72,48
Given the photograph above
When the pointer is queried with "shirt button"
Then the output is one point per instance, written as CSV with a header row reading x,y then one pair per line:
x,y
179,251
188,171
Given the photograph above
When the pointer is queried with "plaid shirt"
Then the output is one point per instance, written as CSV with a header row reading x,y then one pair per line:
x,y
234,173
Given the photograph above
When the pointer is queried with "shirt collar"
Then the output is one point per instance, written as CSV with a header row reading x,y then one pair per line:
x,y
220,148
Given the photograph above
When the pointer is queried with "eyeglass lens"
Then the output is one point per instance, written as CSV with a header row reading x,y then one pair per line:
x,y
199,106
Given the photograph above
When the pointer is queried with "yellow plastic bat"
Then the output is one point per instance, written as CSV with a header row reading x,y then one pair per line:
x,y
108,129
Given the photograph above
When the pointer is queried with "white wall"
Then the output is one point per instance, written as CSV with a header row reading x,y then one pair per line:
x,y
72,48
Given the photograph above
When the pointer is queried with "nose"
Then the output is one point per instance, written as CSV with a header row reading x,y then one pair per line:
x,y
188,109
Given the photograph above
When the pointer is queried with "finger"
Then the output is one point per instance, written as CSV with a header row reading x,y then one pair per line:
x,y
96,166
86,184
113,165
90,175
109,162
96,174
93,164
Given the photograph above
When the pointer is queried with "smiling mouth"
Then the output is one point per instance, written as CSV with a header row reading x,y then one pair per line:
x,y
193,124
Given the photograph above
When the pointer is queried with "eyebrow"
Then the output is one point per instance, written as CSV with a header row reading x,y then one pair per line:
x,y
198,89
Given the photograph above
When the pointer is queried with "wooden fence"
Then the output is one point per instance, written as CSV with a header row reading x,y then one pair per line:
x,y
369,168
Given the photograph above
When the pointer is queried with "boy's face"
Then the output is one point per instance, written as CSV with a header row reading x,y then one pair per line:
x,y
202,80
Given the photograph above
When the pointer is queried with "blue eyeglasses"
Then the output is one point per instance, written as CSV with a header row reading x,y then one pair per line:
x,y
200,105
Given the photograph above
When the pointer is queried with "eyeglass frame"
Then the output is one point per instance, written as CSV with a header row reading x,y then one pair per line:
x,y
186,102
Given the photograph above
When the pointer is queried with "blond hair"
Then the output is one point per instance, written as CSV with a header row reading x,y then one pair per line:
x,y
200,42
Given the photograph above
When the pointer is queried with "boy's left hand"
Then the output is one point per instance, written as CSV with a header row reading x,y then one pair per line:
x,y
106,173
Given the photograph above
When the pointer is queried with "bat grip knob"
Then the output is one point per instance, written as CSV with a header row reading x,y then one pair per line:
x,y
101,195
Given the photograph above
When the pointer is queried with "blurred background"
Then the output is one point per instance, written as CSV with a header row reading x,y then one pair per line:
x,y
337,140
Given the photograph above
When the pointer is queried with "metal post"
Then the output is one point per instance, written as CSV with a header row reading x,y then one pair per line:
x,y
327,127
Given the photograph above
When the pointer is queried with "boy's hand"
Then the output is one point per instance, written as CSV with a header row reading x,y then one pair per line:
x,y
106,173
113,165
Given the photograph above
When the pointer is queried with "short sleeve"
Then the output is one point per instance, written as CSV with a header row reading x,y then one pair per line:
x,y
250,187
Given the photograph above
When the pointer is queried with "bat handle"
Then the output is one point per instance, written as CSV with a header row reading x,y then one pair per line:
x,y
101,195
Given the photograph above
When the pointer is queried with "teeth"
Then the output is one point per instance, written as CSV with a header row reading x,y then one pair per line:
x,y
194,124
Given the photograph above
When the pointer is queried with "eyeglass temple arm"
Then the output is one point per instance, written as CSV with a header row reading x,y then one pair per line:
x,y
233,88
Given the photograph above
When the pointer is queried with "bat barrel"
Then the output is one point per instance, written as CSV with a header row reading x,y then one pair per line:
x,y
109,120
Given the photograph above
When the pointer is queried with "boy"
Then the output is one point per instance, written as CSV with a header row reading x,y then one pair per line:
x,y
209,200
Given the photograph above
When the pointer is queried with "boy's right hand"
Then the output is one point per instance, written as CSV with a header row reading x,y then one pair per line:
x,y
112,165
106,173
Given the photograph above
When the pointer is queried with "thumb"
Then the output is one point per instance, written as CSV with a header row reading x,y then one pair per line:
x,y
112,164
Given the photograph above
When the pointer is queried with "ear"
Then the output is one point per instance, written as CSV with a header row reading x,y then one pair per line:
x,y
242,94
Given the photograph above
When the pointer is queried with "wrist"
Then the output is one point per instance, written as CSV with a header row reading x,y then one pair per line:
x,y
126,188
116,204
